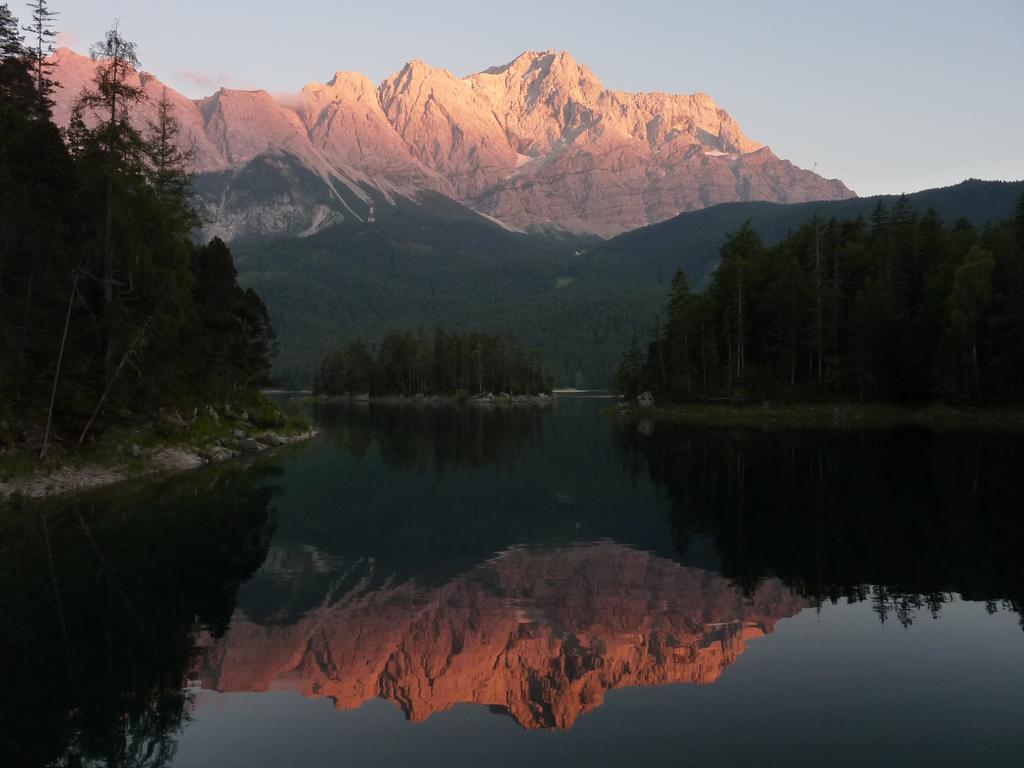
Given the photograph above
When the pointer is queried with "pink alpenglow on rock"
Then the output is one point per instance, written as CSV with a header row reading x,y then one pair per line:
x,y
537,142
541,635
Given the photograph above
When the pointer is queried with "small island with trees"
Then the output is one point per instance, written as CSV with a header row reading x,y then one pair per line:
x,y
460,366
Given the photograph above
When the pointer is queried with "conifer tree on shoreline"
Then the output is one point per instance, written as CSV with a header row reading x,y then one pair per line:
x,y
107,305
901,308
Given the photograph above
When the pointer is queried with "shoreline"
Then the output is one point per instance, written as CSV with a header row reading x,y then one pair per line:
x,y
476,400
828,416
162,459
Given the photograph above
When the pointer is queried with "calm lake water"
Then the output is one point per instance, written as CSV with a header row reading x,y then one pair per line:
x,y
528,586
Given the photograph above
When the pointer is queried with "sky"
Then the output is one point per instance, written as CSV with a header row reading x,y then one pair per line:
x,y
890,96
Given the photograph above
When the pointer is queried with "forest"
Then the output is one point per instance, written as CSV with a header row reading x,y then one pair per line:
x,y
900,307
444,363
578,300
905,519
109,310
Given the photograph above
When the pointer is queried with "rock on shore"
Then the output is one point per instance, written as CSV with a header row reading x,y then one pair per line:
x,y
161,460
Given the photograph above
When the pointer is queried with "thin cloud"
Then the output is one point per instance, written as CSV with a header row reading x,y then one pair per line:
x,y
203,80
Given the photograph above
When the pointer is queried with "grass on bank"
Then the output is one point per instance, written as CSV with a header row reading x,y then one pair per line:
x,y
129,444
830,416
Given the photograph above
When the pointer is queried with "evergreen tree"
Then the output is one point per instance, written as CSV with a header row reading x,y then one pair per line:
x,y
675,363
901,309
970,298
107,309
35,203
42,35
730,293
409,364
114,157
233,343
629,376
12,42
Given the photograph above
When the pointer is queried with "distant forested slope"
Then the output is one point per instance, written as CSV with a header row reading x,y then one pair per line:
x,y
691,241
578,301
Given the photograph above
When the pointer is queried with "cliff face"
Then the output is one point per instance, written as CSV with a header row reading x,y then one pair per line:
x,y
537,142
541,635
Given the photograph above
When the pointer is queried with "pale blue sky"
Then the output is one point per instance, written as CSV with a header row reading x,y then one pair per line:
x,y
887,96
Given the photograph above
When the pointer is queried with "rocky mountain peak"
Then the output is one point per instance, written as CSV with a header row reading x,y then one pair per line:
x,y
540,64
349,81
538,141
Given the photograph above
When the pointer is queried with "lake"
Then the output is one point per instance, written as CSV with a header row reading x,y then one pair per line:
x,y
528,585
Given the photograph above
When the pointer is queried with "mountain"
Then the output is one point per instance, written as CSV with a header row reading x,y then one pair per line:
x,y
540,635
536,143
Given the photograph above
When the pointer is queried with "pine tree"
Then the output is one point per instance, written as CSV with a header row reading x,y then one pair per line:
x,y
628,377
740,251
169,173
675,342
121,152
42,35
12,42
35,185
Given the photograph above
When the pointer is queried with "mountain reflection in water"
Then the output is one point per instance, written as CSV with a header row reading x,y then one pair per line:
x,y
524,560
541,634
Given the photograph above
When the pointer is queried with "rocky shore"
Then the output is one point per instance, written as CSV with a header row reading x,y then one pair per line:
x,y
172,445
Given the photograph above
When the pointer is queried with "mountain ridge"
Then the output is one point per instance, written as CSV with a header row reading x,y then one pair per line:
x,y
690,240
536,142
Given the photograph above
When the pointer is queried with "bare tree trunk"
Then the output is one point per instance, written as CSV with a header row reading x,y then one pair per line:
x,y
703,357
740,354
108,245
661,365
834,359
974,362
686,362
26,320
110,384
728,342
60,362
819,311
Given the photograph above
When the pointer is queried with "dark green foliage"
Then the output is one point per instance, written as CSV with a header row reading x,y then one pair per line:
x,y
417,269
444,364
691,240
629,376
901,517
579,301
41,35
97,265
901,308
230,347
105,640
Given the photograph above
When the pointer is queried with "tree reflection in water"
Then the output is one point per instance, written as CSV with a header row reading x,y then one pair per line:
x,y
101,600
433,436
412,547
902,518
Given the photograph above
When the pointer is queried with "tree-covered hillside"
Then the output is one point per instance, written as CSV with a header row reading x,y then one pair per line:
x,y
691,241
577,301
422,270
